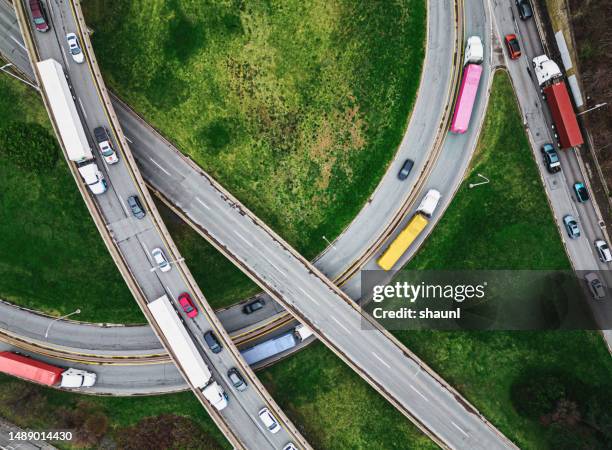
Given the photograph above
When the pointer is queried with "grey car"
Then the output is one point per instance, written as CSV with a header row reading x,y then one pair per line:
x,y
406,169
571,226
596,287
236,379
134,203
212,342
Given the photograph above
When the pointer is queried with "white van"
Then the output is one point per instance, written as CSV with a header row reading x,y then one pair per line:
x,y
429,203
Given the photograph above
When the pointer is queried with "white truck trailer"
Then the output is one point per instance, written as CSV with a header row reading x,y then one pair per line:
x,y
188,356
69,124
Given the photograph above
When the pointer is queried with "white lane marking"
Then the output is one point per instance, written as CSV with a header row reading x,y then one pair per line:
x,y
128,139
308,295
342,326
202,203
18,43
65,57
243,238
170,292
82,108
460,429
277,268
381,360
419,392
159,166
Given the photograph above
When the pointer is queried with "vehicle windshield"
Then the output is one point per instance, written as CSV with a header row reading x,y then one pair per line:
x,y
107,151
39,21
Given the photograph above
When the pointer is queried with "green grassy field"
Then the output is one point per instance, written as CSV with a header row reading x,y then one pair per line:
x,y
295,106
507,224
51,255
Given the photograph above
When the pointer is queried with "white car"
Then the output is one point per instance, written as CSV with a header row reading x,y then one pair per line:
x,y
269,421
290,446
160,259
603,250
75,48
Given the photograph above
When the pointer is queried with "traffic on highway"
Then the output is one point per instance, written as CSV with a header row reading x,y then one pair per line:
x,y
111,151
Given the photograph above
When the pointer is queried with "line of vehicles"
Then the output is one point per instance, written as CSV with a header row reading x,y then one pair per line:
x,y
72,133
195,368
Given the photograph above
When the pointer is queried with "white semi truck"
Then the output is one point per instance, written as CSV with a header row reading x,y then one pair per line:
x,y
69,124
186,353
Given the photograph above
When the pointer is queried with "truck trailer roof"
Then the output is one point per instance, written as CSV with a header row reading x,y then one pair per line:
x,y
30,369
64,110
466,98
563,114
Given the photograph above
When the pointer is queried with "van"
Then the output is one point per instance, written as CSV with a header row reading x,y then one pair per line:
x,y
39,16
429,203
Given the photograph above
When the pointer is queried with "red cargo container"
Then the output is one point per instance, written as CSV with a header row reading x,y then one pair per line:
x,y
563,114
30,369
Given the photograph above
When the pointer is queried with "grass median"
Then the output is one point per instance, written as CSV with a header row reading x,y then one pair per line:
x,y
507,224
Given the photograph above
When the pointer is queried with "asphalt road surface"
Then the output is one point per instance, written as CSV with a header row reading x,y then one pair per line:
x,y
136,238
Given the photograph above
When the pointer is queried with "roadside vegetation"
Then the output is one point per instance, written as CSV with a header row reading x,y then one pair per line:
x,y
544,390
129,423
295,106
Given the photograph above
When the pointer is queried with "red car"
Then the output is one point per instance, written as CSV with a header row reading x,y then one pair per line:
x,y
514,50
39,16
187,305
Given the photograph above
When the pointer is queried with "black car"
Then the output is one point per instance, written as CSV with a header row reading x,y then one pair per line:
x,y
406,168
253,306
212,342
136,207
524,9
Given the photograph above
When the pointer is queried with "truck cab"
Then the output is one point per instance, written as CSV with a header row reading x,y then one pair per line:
x,y
76,378
474,51
215,395
93,177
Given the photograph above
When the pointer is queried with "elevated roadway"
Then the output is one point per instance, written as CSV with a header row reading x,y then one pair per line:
x,y
559,186
130,240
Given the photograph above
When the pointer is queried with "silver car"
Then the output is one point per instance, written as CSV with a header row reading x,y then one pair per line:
x,y
595,285
160,259
603,250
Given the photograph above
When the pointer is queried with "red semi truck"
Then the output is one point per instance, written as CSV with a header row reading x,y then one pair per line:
x,y
43,373
554,89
